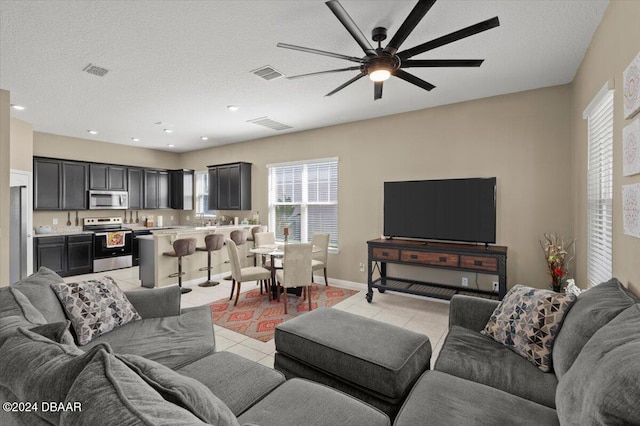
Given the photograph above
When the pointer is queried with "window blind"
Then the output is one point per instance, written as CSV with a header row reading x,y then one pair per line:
x,y
600,189
202,194
304,198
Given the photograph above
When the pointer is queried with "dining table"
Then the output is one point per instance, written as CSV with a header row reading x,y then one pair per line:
x,y
276,254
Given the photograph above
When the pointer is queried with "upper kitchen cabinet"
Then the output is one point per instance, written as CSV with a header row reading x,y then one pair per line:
x,y
156,189
108,177
59,184
136,188
182,189
230,186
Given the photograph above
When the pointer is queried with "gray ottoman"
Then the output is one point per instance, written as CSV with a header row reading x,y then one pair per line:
x,y
375,362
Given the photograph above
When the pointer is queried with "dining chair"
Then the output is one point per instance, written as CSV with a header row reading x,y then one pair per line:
x,y
251,237
320,258
240,274
296,269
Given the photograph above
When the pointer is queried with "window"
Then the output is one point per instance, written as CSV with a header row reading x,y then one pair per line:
x,y
202,193
599,114
304,197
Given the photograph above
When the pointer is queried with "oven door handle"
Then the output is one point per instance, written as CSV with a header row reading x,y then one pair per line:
x,y
104,234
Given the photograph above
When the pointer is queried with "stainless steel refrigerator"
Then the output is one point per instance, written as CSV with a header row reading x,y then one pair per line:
x,y
18,234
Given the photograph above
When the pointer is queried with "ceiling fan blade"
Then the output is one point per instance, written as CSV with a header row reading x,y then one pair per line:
x,y
450,38
339,88
377,90
322,72
410,78
424,63
415,16
351,26
319,52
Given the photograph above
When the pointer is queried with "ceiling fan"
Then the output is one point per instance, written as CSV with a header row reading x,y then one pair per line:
x,y
379,64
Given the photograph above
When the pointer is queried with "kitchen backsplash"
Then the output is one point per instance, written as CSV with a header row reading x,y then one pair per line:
x,y
46,218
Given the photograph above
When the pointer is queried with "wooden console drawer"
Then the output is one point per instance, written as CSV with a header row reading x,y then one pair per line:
x,y
481,263
447,259
386,254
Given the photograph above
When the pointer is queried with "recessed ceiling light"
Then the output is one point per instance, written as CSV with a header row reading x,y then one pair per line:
x,y
92,132
204,138
233,107
135,139
171,145
167,130
17,107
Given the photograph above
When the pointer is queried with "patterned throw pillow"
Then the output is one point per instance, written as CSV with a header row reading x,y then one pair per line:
x,y
528,320
95,307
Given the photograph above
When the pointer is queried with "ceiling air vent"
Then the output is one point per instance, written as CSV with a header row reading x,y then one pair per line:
x,y
269,123
92,69
267,73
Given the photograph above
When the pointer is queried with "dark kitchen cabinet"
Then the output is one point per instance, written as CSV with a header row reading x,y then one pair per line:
x,y
164,195
65,255
59,184
47,193
50,252
156,189
230,186
74,185
79,254
182,189
106,177
136,188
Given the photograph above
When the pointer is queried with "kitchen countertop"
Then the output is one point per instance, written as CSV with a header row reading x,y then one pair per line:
x,y
58,232
157,230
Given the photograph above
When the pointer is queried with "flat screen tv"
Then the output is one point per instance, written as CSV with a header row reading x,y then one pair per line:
x,y
446,209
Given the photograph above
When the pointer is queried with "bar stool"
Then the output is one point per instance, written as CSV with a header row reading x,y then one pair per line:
x,y
181,247
212,242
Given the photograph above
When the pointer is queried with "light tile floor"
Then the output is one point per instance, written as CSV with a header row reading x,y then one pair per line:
x,y
419,314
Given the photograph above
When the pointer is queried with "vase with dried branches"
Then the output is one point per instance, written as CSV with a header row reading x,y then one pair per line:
x,y
558,255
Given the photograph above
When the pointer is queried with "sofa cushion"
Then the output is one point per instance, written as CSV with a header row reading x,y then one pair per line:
x,y
441,399
356,349
171,341
16,416
592,309
601,387
107,387
56,332
9,325
35,368
36,288
298,399
181,390
95,307
14,303
472,356
237,381
528,320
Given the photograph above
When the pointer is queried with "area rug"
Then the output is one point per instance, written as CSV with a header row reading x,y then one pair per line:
x,y
256,317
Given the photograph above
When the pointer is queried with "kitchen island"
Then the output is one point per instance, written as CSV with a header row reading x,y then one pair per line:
x,y
156,268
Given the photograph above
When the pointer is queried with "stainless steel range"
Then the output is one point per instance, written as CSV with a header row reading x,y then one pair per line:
x,y
112,246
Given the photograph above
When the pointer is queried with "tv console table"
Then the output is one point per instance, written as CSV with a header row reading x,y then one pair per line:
x,y
452,256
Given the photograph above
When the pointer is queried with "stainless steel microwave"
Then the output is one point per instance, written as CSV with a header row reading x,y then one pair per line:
x,y
103,200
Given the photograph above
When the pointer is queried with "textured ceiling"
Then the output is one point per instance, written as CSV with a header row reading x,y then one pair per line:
x,y
183,62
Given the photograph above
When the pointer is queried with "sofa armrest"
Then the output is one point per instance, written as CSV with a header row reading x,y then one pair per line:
x,y
471,312
157,302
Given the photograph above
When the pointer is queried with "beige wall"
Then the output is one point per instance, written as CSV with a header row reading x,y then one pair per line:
x,y
614,45
5,142
56,146
21,157
523,139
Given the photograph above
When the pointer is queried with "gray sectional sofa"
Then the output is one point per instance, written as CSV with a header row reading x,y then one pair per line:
x,y
144,371
164,369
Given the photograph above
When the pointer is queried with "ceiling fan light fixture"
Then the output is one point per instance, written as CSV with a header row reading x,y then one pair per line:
x,y
380,74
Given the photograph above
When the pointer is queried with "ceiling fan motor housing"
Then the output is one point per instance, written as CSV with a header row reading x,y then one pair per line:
x,y
379,34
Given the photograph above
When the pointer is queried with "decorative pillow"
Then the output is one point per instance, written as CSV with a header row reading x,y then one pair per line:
x,y
34,368
36,288
527,321
57,332
181,390
95,307
107,387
